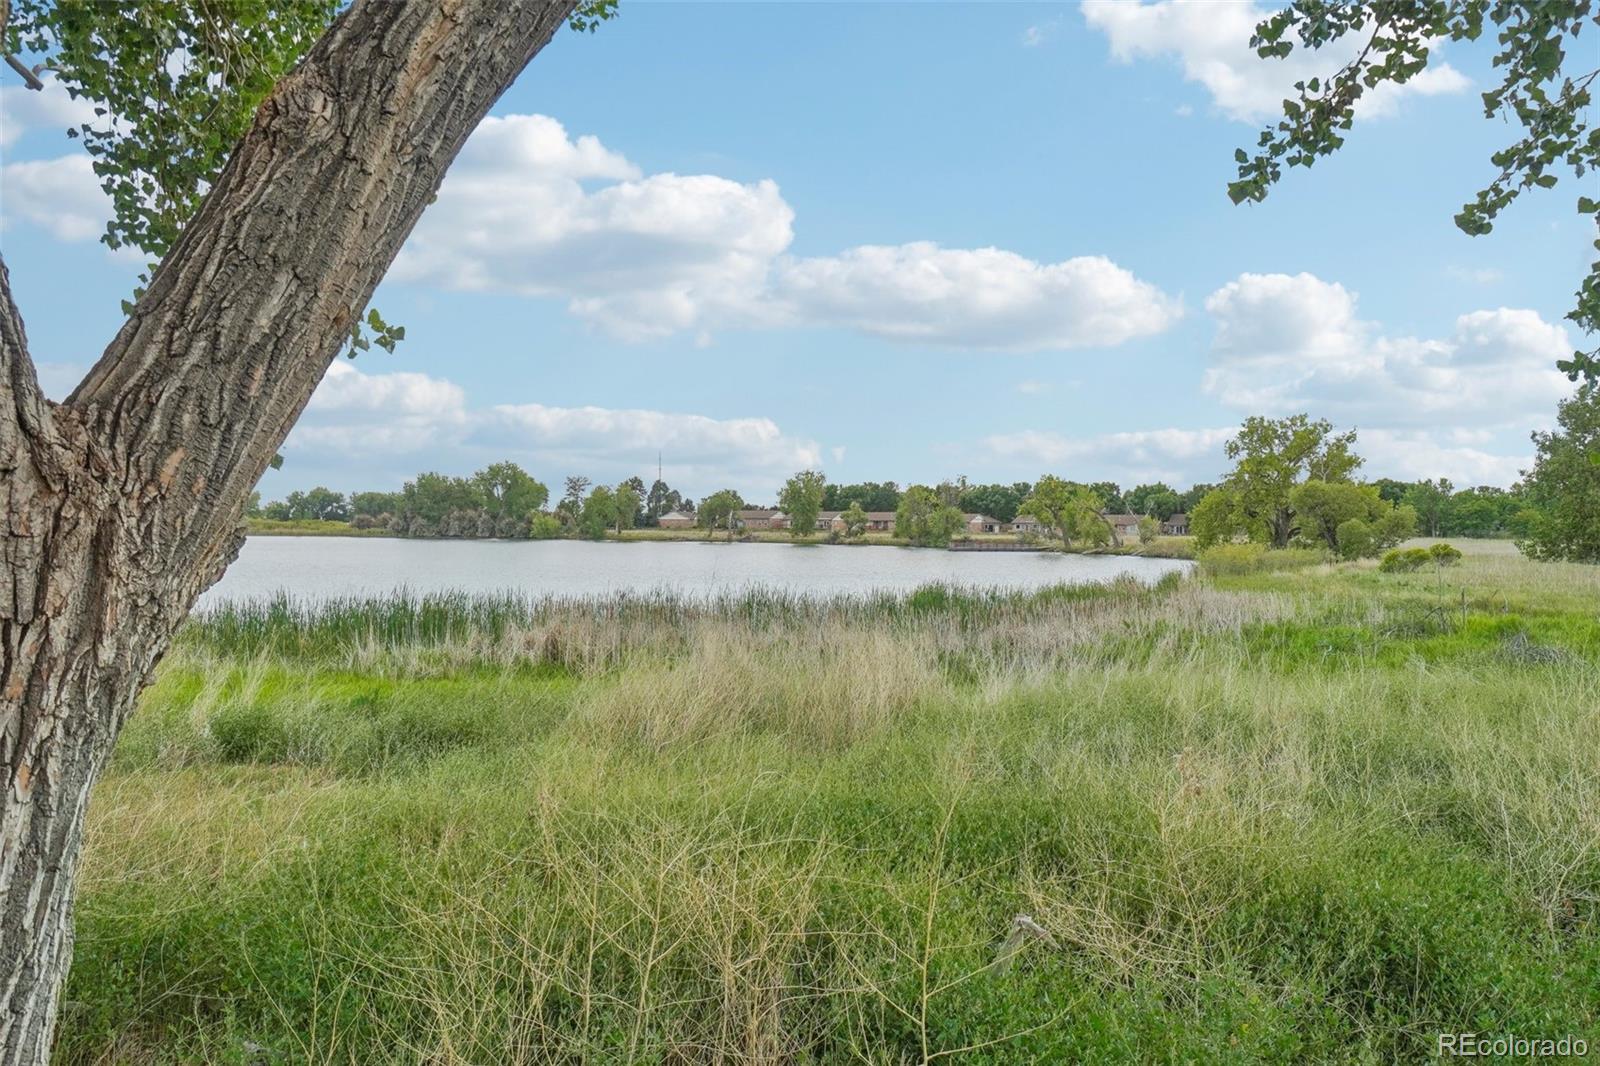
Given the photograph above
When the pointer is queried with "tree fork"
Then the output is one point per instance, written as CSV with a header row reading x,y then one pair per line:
x,y
124,503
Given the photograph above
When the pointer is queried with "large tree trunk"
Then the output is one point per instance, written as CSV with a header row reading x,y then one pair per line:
x,y
123,504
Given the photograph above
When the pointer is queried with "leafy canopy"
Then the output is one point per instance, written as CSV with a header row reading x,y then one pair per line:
x,y
1067,510
1564,485
175,84
801,500
1272,457
1549,104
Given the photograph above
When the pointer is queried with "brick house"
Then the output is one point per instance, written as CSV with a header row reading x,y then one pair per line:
x,y
676,520
1025,523
1126,526
982,523
760,518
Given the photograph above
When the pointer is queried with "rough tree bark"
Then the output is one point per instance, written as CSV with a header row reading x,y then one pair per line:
x,y
124,503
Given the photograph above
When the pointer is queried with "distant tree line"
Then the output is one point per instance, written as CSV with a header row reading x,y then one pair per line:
x,y
502,501
1293,483
1004,502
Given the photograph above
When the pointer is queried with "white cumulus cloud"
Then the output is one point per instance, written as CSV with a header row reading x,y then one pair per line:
x,y
357,413
22,109
61,195
1295,342
529,209
982,298
392,424
700,448
1177,456
1211,42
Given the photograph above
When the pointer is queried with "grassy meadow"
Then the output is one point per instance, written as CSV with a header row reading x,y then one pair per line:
x,y
1261,815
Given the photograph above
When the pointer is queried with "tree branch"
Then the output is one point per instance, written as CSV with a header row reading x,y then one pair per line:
x,y
24,411
221,354
27,75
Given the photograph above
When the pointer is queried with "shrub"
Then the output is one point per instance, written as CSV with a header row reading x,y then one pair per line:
x,y
1445,554
363,521
1404,560
1355,539
544,527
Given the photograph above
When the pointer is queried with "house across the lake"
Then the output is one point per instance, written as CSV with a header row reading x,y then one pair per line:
x,y
1176,525
1124,525
760,518
982,523
1025,523
676,520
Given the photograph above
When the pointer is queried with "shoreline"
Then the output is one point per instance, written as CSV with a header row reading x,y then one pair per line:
x,y
1163,548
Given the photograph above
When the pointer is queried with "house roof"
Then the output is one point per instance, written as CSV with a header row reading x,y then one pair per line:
x,y
677,514
758,512
880,516
980,518
1178,516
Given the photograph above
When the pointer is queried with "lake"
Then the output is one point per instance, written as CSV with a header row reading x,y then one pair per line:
x,y
322,567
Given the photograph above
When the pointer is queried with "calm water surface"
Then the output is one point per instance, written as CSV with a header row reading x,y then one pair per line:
x,y
321,567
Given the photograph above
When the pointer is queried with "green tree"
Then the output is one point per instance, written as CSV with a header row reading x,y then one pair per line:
x,y
1216,519
854,519
1110,495
1354,539
599,512
997,501
1067,511
1563,488
1325,507
434,496
1392,490
945,524
1538,47
625,503
872,495
922,518
373,504
1190,498
662,499
577,487
1484,511
508,491
911,518
1271,457
544,526
1159,499
1149,528
719,509
1431,500
322,504
1322,506
801,500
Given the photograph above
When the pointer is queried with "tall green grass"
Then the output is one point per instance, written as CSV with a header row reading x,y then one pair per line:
x,y
1312,815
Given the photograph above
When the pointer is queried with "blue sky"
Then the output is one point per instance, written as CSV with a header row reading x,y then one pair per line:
x,y
903,242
